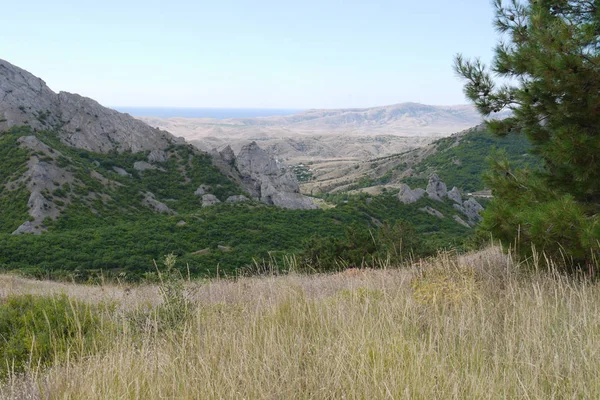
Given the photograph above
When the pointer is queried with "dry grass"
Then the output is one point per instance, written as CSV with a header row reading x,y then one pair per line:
x,y
457,327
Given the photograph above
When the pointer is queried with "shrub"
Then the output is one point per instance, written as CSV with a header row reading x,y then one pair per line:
x,y
39,331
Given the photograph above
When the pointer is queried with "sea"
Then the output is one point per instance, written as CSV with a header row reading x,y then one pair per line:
x,y
216,113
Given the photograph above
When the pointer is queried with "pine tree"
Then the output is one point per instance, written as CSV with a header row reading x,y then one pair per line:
x,y
548,59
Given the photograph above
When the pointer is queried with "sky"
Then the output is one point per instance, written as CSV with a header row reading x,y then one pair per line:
x,y
249,54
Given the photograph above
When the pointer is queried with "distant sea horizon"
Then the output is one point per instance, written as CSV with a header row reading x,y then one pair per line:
x,y
201,112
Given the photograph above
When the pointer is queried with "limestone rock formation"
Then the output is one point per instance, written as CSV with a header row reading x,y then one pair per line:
x,y
158,156
41,179
236,199
262,177
209,200
436,189
202,190
142,166
80,121
432,211
121,171
461,221
407,196
455,195
150,201
471,209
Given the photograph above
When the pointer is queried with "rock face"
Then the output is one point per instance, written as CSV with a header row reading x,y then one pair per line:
x,y
80,121
262,177
436,189
455,195
158,156
471,208
41,178
408,196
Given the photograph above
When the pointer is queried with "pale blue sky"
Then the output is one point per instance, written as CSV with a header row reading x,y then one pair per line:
x,y
238,53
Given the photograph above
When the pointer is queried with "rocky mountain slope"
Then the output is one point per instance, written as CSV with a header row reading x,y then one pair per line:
x,y
65,154
459,160
81,122
318,135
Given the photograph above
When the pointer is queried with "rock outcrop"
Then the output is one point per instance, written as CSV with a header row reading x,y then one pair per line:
x,y
455,195
41,179
236,199
432,211
407,196
158,156
209,200
80,121
436,189
471,209
262,177
150,201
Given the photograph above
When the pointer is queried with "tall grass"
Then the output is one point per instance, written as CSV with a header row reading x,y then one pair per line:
x,y
454,327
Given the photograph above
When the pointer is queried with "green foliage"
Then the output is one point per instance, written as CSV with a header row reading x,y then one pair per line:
x,y
530,216
392,243
460,160
126,248
39,331
13,163
552,56
105,230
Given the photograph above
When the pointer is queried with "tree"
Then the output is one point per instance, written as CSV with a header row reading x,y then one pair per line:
x,y
549,60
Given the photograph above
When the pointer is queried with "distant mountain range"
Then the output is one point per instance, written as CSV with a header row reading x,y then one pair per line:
x,y
406,119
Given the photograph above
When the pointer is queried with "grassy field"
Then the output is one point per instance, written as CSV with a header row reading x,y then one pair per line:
x,y
471,326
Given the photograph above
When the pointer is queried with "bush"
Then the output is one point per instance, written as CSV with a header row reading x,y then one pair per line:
x,y
39,331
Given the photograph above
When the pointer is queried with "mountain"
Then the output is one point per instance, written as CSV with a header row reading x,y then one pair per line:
x,y
86,192
459,160
406,119
64,154
80,122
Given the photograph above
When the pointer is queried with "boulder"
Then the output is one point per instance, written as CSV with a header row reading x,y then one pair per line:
x,y
209,200
202,190
121,171
236,199
150,201
141,166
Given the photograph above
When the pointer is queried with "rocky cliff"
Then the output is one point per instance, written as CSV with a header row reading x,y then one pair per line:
x,y
83,123
262,177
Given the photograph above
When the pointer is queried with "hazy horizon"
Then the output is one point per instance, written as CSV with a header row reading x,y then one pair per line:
x,y
250,54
